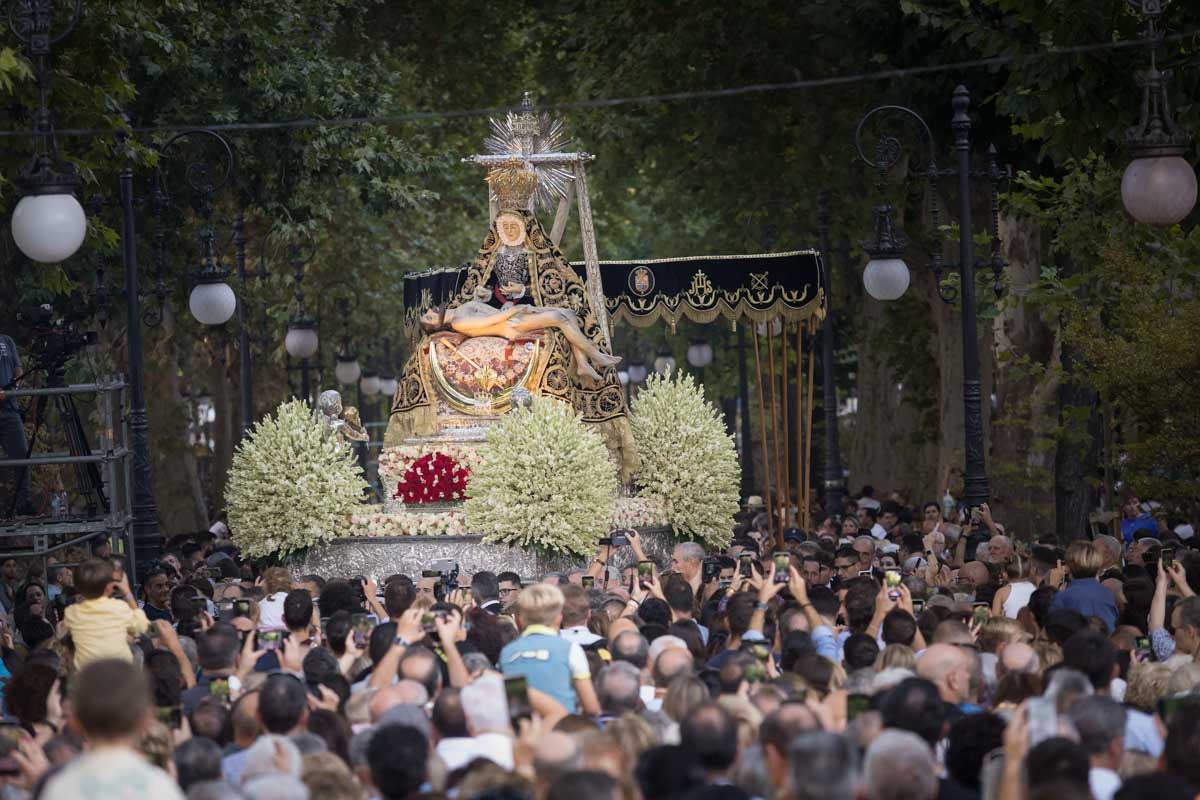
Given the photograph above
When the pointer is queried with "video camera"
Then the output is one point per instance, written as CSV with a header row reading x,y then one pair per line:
x,y
447,571
55,341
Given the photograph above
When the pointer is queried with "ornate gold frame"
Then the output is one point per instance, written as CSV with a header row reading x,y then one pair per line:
x,y
502,402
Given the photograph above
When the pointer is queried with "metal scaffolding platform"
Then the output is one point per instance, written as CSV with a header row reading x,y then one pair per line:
x,y
42,536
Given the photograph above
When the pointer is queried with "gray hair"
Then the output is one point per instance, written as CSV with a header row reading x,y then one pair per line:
x,y
824,766
308,743
188,645
618,687
899,766
1099,720
276,787
213,790
359,743
868,539
476,662
1110,544
260,758
690,551
485,706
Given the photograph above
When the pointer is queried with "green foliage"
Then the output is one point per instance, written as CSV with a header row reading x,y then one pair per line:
x,y
1134,315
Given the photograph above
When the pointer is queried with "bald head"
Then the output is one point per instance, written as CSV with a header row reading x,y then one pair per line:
x,y
404,693
557,753
952,631
975,572
955,671
670,664
1019,657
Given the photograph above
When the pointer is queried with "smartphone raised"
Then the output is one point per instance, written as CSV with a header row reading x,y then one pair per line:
x,y
1167,556
782,562
171,716
745,565
587,581
10,737
199,603
645,571
918,605
891,578
980,612
857,704
270,640
516,691
241,608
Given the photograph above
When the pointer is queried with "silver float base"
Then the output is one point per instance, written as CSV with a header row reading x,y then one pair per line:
x,y
379,557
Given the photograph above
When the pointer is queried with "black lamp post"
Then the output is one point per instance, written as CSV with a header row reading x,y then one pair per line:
x,y
48,224
886,274
301,341
1159,185
835,486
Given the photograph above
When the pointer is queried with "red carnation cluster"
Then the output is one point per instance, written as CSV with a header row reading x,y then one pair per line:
x,y
433,478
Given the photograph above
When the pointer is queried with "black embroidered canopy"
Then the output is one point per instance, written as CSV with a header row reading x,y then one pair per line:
x,y
759,288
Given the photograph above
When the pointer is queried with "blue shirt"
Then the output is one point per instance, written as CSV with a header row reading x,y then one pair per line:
x,y
1145,522
10,370
1089,598
544,658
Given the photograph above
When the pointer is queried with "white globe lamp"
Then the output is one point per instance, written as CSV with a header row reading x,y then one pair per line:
x,y
664,363
637,372
700,354
388,385
347,370
369,383
212,302
49,228
886,278
301,340
1159,190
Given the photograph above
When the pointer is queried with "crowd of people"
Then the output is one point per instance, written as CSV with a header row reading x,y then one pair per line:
x,y
888,654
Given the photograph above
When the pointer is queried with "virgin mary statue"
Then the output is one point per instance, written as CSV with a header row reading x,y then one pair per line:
x,y
469,361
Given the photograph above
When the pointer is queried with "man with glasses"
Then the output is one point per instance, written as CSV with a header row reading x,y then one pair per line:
x,y
846,564
864,546
510,589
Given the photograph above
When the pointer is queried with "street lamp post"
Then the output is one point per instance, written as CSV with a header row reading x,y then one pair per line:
x,y
835,487
1159,185
886,274
302,340
48,224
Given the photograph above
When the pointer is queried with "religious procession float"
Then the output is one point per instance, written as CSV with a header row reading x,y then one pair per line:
x,y
510,444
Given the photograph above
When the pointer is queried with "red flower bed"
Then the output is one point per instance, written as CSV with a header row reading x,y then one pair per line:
x,y
433,478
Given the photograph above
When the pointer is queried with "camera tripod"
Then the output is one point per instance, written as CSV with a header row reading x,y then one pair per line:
x,y
87,476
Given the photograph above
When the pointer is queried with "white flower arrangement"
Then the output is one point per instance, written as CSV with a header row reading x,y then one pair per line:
x,y
395,461
291,486
444,523
545,481
639,512
688,462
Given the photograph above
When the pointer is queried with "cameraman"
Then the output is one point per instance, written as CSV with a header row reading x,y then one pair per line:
x,y
12,426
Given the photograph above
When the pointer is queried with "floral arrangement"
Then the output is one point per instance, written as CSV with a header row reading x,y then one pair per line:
x,y
433,478
445,523
291,486
688,462
546,481
395,461
639,512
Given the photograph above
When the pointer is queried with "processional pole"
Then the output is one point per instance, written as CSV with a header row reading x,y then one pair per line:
x,y
762,421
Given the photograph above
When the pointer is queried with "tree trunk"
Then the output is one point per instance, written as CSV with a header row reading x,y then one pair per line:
x,y
177,489
1023,445
1078,456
